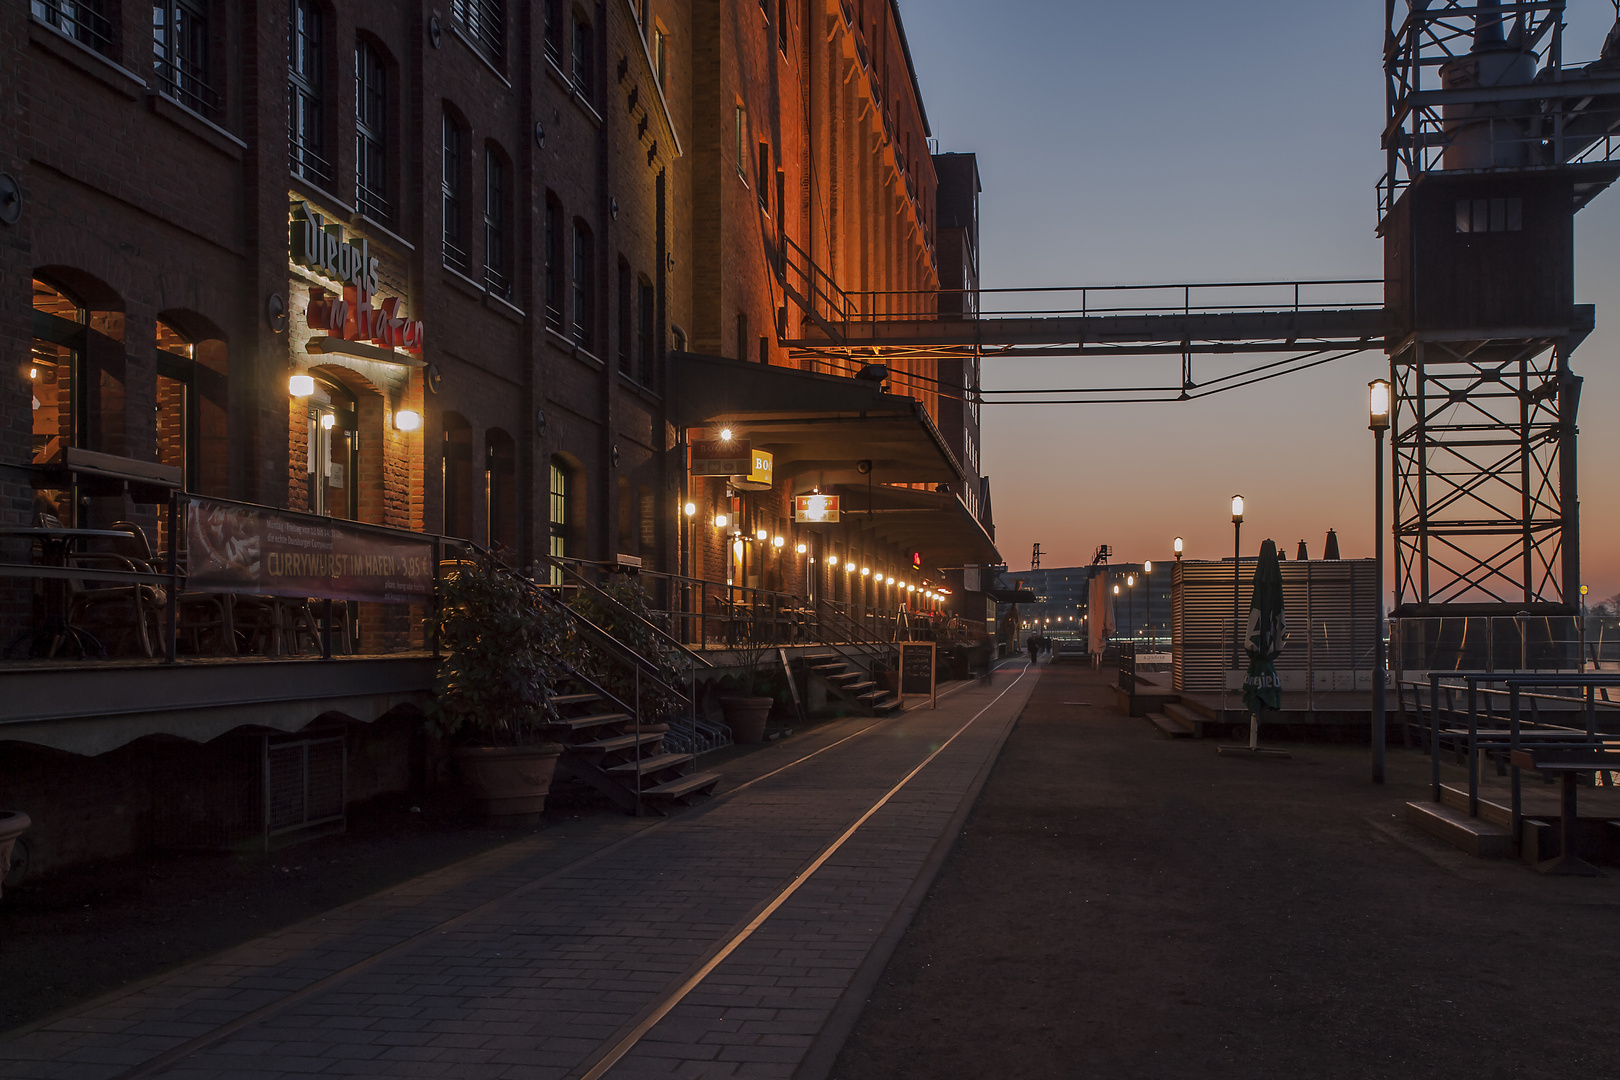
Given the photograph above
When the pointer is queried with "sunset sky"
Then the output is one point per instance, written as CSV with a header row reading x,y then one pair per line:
x,y
1171,141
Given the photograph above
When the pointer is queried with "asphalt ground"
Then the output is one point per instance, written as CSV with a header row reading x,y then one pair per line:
x,y
1121,905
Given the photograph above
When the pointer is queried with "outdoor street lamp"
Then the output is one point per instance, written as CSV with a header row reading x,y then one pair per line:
x,y
1147,604
1237,583
1378,423
1177,546
1130,605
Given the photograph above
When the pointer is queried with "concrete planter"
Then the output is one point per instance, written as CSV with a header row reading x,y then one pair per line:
x,y
13,823
509,782
745,716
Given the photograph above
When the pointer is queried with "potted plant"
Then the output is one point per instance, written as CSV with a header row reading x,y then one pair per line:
x,y
13,823
491,690
746,711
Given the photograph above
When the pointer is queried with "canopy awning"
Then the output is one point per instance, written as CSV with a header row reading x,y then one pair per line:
x,y
818,427
937,524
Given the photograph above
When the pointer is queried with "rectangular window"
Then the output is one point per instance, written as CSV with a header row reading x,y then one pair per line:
x,y
583,57
559,518
1490,215
742,335
624,319
306,121
484,22
497,264
762,176
659,40
646,335
85,21
781,24
370,133
554,260
455,242
554,30
742,143
180,54
584,287
765,350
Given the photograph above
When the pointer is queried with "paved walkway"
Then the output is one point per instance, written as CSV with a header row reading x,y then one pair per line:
x,y
738,939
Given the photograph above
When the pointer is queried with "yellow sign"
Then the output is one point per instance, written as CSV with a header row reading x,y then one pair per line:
x,y
763,462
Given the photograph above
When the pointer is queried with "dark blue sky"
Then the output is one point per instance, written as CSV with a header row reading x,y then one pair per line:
x,y
1169,141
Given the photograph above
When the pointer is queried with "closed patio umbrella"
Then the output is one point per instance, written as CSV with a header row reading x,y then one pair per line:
x,y
1263,640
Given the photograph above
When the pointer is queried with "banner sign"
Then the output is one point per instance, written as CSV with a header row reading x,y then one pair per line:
x,y
815,508
714,457
761,466
264,552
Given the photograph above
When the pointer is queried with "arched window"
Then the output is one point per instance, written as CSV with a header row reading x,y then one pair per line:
x,y
456,463
76,375
627,509
646,334
500,489
554,265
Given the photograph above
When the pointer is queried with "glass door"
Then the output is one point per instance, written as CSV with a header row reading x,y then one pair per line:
x,y
334,451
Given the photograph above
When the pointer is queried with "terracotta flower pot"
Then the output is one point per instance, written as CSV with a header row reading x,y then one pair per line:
x,y
509,782
13,823
745,716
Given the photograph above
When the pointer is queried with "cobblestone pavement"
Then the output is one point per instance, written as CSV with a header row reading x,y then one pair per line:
x,y
548,957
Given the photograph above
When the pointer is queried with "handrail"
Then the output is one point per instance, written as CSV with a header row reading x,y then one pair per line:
x,y
658,631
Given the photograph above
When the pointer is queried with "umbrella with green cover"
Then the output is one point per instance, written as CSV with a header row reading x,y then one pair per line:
x,y
1264,639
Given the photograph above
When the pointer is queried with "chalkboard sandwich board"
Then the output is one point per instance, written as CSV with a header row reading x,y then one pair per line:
x,y
917,670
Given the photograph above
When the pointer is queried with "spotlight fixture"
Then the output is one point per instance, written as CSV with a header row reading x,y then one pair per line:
x,y
720,521
761,534
801,549
408,420
725,434
690,509
301,385
778,541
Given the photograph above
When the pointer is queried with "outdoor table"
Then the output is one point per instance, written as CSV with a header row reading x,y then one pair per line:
x,y
56,545
1567,761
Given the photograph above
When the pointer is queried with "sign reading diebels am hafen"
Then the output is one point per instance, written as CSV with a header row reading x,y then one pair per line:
x,y
233,548
318,246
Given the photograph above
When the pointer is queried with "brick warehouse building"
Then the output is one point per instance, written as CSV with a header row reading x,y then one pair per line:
x,y
438,268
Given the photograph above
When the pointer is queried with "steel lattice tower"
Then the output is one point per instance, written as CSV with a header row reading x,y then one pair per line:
x,y
1493,145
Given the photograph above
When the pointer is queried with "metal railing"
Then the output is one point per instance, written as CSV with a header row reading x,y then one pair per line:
x,y
303,161
1325,655
1520,643
82,20
1540,711
182,80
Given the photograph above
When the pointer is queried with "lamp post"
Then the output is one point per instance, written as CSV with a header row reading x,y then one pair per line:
x,y
1237,582
1147,605
1130,606
1116,610
1378,423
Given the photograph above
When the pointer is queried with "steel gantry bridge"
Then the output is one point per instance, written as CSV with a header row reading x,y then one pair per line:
x,y
1493,142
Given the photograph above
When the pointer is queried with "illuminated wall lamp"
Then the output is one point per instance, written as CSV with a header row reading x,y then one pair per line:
x,y
301,385
778,541
328,421
761,534
720,521
690,509
408,420
801,549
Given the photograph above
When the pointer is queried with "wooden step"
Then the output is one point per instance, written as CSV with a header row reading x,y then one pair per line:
x,y
844,678
649,765
684,786
859,688
618,742
1191,719
584,723
874,698
1173,727
574,699
827,669
1495,813
1475,836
